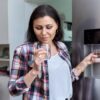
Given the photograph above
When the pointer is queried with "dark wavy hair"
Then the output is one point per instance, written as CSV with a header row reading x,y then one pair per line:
x,y
41,11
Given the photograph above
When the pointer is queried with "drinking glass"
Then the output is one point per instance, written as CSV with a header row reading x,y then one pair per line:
x,y
46,55
46,47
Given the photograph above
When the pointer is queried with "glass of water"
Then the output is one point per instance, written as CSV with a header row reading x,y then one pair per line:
x,y
46,47
46,55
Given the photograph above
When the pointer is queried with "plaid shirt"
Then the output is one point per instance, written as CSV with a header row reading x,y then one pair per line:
x,y
39,89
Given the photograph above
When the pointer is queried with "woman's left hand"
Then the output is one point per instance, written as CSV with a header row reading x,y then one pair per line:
x,y
90,59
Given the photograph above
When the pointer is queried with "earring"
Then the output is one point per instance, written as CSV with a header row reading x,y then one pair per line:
x,y
57,31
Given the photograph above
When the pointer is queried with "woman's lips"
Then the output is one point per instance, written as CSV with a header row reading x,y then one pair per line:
x,y
45,38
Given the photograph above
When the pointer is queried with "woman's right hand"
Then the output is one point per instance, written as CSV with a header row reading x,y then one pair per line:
x,y
39,57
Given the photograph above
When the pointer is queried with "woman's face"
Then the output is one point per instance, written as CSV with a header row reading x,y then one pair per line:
x,y
45,29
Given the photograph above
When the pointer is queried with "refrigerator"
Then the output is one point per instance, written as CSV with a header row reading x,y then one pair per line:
x,y
86,39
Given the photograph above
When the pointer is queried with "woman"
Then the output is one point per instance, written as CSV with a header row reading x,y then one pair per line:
x,y
57,75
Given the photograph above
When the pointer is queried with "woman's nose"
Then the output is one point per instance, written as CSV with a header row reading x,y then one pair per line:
x,y
43,31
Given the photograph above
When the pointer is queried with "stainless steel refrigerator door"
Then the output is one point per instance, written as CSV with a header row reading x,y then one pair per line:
x,y
89,89
85,16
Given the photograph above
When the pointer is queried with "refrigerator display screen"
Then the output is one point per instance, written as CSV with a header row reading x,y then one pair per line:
x,y
92,36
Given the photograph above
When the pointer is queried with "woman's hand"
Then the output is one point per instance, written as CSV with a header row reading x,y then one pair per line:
x,y
39,57
90,59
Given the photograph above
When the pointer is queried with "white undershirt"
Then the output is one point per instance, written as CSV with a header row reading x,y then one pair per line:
x,y
60,83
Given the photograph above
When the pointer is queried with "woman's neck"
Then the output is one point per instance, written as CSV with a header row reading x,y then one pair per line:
x,y
53,49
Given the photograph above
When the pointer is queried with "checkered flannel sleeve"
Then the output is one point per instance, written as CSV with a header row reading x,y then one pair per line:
x,y
16,84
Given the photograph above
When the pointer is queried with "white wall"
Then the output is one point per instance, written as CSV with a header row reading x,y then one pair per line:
x,y
4,22
28,10
4,94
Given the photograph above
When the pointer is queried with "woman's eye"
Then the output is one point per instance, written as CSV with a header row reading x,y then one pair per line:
x,y
38,28
48,27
